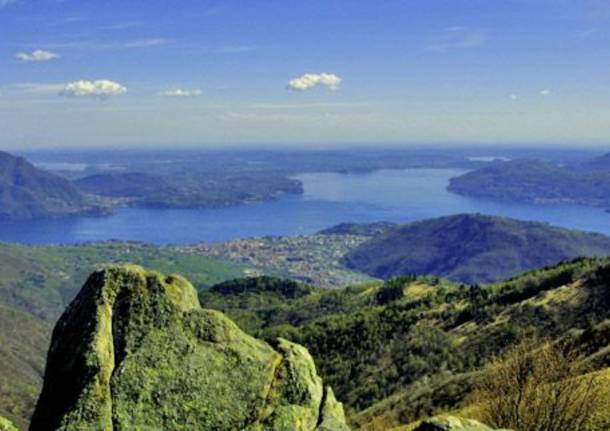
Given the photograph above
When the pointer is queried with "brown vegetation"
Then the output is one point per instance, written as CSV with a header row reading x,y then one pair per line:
x,y
542,386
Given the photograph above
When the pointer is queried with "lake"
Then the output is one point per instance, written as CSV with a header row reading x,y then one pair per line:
x,y
329,199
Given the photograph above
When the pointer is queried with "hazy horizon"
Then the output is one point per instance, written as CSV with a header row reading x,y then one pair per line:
x,y
490,148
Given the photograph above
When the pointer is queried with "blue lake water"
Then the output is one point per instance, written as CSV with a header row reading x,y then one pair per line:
x,y
329,199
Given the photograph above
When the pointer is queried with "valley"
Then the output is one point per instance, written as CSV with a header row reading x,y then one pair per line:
x,y
412,301
312,259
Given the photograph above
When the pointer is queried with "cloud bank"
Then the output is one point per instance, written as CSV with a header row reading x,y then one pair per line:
x,y
179,92
312,80
98,88
37,55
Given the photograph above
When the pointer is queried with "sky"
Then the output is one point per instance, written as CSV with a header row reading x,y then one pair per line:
x,y
84,74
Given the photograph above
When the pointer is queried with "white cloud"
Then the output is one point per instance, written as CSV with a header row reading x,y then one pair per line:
x,y
513,96
98,88
37,55
311,80
545,92
180,92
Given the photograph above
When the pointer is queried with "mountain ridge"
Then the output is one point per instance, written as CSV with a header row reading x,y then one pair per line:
x,y
27,192
471,248
537,181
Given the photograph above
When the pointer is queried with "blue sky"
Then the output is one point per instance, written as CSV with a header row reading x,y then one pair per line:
x,y
156,73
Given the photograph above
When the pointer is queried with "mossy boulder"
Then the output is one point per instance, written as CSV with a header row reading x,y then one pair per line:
x,y
135,350
452,423
6,425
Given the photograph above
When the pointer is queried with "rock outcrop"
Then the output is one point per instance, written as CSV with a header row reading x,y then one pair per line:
x,y
452,423
135,350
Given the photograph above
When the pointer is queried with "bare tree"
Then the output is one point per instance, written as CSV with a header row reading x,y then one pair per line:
x,y
542,386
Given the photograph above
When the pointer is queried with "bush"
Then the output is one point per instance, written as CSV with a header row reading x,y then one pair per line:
x,y
540,386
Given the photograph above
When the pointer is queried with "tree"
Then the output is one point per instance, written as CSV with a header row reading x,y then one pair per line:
x,y
542,386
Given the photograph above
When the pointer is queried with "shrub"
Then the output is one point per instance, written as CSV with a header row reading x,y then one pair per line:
x,y
540,386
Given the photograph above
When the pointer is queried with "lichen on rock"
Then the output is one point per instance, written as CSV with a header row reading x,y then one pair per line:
x,y
135,350
6,425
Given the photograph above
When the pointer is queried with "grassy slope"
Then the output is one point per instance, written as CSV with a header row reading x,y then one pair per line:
x,y
23,341
472,248
42,280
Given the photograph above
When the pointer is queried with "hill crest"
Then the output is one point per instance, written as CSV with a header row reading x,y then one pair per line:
x,y
472,248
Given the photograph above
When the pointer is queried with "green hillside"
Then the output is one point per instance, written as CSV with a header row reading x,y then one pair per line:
x,y
23,348
472,248
393,352
413,347
42,280
27,192
536,181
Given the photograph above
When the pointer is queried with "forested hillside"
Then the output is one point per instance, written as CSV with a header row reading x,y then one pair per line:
x,y
413,346
537,181
394,352
471,248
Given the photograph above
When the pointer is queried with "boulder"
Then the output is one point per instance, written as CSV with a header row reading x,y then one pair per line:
x,y
135,350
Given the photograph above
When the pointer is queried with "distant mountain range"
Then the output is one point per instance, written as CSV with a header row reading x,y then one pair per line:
x,y
27,192
601,163
537,181
471,248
